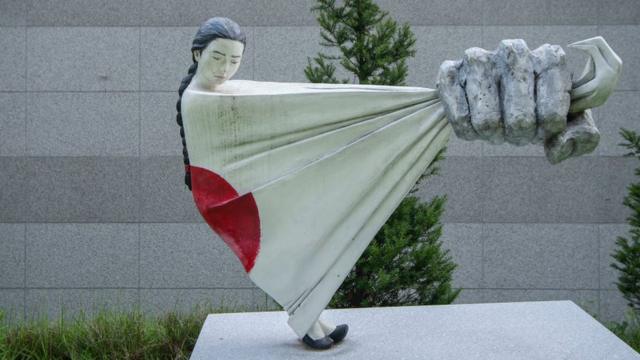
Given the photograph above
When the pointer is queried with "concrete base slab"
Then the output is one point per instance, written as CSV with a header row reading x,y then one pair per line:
x,y
543,330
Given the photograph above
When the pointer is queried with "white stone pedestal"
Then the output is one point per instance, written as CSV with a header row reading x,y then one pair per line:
x,y
544,330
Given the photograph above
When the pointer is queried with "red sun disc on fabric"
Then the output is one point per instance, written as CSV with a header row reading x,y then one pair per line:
x,y
234,218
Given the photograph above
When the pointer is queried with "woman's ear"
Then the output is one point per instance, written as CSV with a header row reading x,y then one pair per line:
x,y
196,55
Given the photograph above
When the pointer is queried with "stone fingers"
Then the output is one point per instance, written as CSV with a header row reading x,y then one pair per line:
x,y
515,66
518,96
480,79
490,95
553,90
565,135
454,100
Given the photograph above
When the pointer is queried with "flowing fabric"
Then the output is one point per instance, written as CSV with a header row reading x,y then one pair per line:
x,y
297,178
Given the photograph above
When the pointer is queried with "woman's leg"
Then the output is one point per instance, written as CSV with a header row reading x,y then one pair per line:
x,y
316,338
336,333
327,327
316,332
323,334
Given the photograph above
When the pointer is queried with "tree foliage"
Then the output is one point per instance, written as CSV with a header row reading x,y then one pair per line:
x,y
627,253
371,46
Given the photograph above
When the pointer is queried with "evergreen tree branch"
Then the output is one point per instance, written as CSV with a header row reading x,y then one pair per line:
x,y
627,252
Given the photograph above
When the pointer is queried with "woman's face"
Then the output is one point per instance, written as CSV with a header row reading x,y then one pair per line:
x,y
219,61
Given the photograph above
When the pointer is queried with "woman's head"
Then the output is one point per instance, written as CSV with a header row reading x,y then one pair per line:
x,y
217,49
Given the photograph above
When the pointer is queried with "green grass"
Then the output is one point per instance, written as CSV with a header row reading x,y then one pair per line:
x,y
629,329
106,334
109,334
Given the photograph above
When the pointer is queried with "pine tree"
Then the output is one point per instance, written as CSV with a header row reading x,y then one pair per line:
x,y
627,253
373,47
404,264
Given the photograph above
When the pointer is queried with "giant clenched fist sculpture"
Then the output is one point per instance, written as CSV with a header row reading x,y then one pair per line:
x,y
520,96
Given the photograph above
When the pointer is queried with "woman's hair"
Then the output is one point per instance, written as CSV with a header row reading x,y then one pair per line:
x,y
214,28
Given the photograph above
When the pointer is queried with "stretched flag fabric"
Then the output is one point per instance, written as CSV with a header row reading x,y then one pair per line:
x,y
297,178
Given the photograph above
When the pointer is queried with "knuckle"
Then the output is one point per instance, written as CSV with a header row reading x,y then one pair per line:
x,y
513,51
448,71
477,56
548,56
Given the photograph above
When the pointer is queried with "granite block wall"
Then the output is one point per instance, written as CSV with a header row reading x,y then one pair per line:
x,y
93,211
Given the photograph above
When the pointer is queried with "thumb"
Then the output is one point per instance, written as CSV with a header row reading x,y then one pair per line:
x,y
581,136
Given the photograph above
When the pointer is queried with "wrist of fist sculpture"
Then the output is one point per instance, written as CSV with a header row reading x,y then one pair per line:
x,y
521,97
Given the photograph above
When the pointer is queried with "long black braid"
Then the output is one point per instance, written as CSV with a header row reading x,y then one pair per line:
x,y
214,28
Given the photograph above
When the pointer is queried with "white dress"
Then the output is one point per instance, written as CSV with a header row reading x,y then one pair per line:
x,y
297,178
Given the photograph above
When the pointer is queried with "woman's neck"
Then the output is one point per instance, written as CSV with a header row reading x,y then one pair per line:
x,y
202,84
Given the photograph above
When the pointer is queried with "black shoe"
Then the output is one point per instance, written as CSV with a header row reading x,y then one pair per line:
x,y
320,344
339,333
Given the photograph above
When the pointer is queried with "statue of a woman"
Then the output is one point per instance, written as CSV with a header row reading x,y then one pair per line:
x,y
297,178
217,51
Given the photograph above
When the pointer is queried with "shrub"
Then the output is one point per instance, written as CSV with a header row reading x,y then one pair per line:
x,y
108,334
627,253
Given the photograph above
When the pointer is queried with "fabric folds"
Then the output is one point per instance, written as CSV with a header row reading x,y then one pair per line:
x,y
299,177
